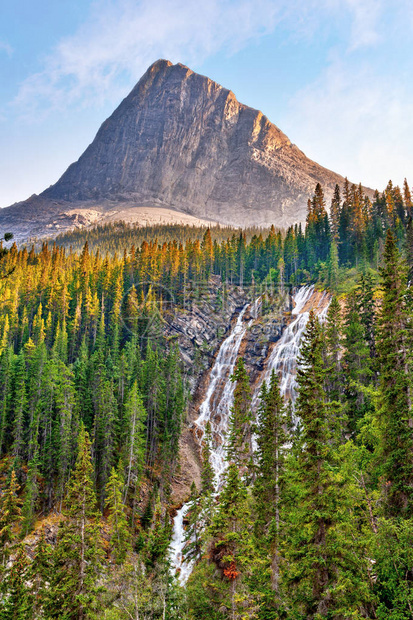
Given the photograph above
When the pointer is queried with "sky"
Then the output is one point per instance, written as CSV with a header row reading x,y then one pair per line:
x,y
334,75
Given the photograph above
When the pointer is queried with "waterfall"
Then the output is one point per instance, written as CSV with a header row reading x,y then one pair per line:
x,y
215,409
283,358
217,403
176,547
218,400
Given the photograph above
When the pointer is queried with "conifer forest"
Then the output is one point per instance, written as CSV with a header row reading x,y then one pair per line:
x,y
152,468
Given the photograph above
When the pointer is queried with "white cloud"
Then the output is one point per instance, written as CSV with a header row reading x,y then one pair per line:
x,y
5,47
357,122
366,15
120,39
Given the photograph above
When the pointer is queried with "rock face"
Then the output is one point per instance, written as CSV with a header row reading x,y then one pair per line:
x,y
183,142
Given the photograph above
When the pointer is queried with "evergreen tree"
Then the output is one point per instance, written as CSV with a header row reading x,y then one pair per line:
x,y
332,279
367,311
10,516
77,556
394,413
39,575
120,535
240,431
271,441
31,493
319,529
207,472
16,602
231,546
334,380
356,365
133,434
195,526
335,214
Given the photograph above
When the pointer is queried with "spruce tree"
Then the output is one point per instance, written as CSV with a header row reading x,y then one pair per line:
x,y
40,574
195,526
120,535
10,516
356,365
77,555
333,351
240,431
16,602
394,413
319,535
271,441
231,546
332,265
133,435
335,214
207,472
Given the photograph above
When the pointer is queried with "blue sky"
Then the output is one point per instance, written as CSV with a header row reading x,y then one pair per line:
x,y
334,75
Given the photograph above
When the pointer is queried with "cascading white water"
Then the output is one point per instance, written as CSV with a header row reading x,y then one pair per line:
x,y
283,359
176,547
218,400
217,404
214,409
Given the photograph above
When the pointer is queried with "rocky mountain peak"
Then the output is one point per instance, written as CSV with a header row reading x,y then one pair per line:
x,y
181,141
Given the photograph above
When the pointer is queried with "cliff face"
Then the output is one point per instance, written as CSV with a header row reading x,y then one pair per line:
x,y
181,141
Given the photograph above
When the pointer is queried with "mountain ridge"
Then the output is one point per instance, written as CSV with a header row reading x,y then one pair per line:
x,y
183,142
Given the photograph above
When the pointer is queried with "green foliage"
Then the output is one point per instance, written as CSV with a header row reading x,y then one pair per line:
x,y
319,542
240,425
77,555
10,516
395,417
207,473
16,602
316,524
120,535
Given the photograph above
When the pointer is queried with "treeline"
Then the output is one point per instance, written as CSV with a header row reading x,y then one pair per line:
x,y
119,236
351,235
317,523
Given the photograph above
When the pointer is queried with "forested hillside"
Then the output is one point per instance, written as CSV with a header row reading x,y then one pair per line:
x,y
314,516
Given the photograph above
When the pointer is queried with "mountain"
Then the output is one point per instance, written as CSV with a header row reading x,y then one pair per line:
x,y
181,143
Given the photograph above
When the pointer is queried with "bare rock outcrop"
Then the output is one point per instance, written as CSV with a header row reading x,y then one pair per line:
x,y
183,142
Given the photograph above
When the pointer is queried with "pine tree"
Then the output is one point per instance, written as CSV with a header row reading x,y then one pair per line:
x,y
31,494
40,574
20,400
335,214
16,602
133,434
367,311
409,248
120,535
356,365
194,529
231,546
271,441
207,472
77,555
10,516
319,527
240,431
394,414
333,336
332,279
407,199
